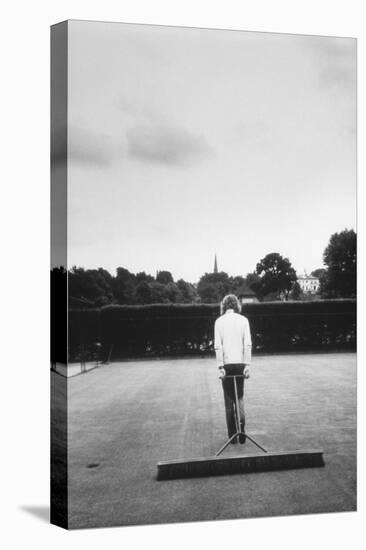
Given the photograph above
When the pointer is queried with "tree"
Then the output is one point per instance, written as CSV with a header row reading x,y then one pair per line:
x,y
164,277
187,291
210,293
318,273
104,281
296,291
94,285
143,293
124,286
142,276
253,281
340,257
158,293
237,282
212,287
276,275
172,293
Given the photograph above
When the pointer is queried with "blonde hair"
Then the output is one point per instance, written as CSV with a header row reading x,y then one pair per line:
x,y
230,301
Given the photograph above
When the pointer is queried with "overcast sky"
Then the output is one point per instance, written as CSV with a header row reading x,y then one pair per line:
x,y
186,142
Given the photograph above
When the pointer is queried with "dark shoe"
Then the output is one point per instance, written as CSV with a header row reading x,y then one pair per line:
x,y
234,441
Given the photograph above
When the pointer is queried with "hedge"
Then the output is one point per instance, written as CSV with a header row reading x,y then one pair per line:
x,y
59,316
187,329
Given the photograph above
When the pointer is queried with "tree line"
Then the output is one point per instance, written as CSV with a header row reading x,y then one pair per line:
x,y
101,288
273,278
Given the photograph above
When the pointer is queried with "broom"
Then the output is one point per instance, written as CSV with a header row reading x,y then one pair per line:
x,y
242,464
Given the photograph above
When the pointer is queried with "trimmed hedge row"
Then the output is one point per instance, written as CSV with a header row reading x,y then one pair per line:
x,y
59,316
183,329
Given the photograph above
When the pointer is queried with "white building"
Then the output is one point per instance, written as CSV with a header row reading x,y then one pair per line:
x,y
308,283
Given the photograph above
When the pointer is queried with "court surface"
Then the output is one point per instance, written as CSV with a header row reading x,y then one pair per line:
x,y
125,417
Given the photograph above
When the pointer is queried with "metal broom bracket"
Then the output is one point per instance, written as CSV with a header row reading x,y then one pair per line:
x,y
237,417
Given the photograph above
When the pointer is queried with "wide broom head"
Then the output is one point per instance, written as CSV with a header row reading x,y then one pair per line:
x,y
244,464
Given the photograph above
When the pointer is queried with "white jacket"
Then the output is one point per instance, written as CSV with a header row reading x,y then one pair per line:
x,y
233,342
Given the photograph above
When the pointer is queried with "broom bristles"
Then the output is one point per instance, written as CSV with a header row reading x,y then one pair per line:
x,y
216,466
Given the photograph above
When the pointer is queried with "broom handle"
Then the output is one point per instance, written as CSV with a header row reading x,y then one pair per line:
x,y
238,427
238,418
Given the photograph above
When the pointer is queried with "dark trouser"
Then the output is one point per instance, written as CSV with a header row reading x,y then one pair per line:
x,y
229,397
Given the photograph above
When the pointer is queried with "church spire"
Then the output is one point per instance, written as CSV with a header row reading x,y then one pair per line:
x,y
215,265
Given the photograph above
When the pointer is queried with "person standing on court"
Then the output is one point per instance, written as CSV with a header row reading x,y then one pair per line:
x,y
233,347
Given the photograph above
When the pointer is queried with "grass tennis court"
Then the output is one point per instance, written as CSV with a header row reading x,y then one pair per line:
x,y
125,417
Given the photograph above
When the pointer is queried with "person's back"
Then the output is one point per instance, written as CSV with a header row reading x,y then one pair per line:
x,y
232,339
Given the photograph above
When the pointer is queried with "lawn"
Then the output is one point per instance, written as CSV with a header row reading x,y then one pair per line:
x,y
125,417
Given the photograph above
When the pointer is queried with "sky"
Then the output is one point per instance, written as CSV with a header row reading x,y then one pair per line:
x,y
183,143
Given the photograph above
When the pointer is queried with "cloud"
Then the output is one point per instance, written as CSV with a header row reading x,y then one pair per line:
x,y
164,144
338,62
338,76
149,142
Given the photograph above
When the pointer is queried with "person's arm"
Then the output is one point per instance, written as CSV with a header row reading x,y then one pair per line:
x,y
247,343
218,347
